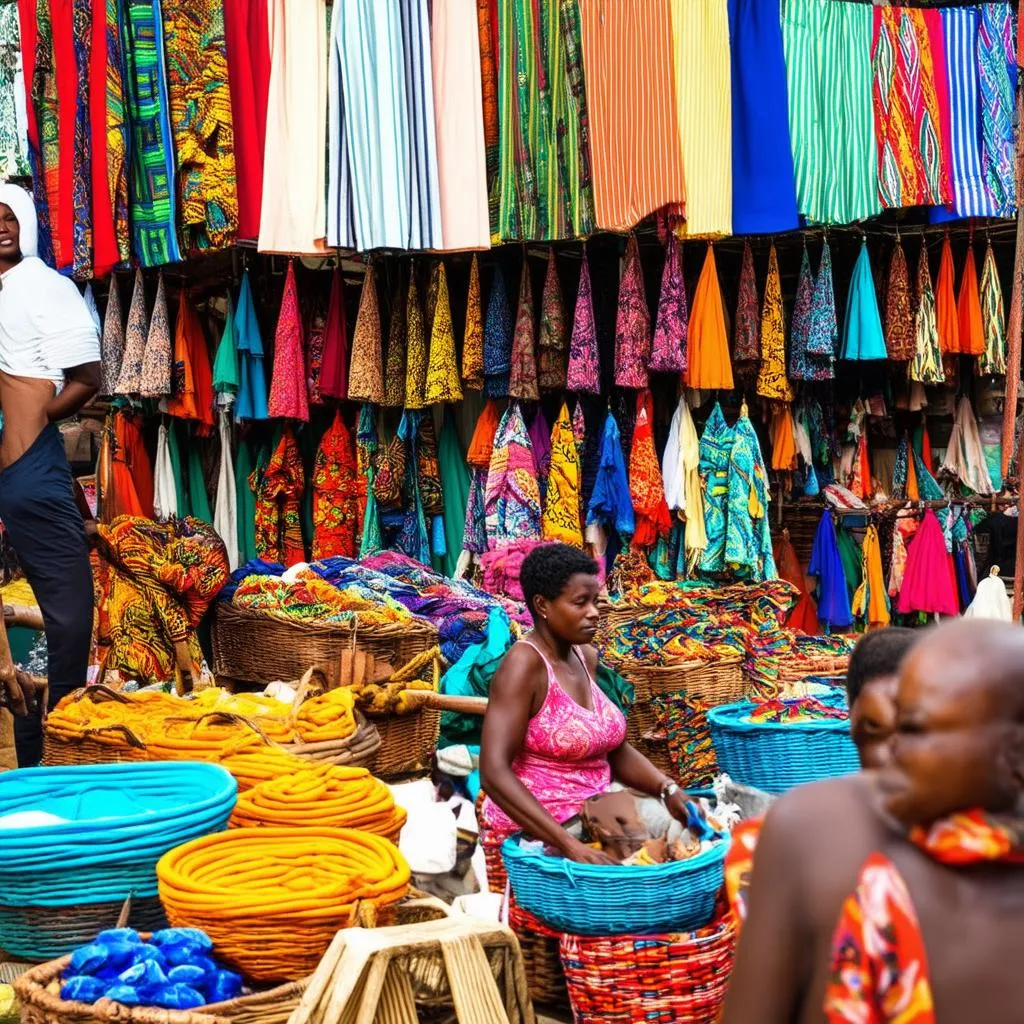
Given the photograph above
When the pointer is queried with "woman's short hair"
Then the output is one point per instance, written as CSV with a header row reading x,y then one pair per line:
x,y
877,654
547,569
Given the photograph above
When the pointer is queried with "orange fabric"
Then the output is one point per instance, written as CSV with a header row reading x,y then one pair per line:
x,y
804,615
968,307
627,58
926,449
783,441
945,302
481,444
193,379
131,491
860,483
708,365
913,494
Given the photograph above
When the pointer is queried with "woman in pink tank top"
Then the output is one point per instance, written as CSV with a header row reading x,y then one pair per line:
x,y
551,738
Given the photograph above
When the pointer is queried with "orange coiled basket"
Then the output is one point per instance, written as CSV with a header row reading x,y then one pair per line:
x,y
272,899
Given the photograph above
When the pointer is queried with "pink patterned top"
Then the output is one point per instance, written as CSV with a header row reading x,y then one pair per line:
x,y
564,758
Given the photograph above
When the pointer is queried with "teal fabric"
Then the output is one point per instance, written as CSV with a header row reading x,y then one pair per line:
x,y
863,338
455,484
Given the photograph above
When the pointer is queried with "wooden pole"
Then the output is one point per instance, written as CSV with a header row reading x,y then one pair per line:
x,y
1018,570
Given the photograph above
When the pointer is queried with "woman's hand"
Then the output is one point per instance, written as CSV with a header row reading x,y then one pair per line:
x,y
583,854
675,804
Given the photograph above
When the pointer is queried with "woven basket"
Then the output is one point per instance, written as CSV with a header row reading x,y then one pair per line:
x,y
542,961
775,756
715,682
407,744
254,648
114,744
359,750
629,979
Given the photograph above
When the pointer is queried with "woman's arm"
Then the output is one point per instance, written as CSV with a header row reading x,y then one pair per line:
x,y
509,709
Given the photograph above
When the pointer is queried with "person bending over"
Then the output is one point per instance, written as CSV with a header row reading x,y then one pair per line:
x,y
898,894
551,739
49,369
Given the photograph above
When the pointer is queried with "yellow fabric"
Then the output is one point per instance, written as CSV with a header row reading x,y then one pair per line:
x,y
561,519
869,601
18,592
442,367
695,537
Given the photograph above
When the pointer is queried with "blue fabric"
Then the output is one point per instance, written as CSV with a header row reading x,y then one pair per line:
x,y
610,504
832,596
862,331
763,179
251,403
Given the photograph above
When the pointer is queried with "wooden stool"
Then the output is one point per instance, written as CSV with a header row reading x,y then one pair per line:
x,y
381,975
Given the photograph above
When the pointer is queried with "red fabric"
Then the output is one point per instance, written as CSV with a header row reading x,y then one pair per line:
x,y
334,371
131,471
289,397
62,205
193,378
248,105
104,237
804,616
928,585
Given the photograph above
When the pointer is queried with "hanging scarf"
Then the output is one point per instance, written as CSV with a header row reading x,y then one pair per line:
x,y
335,498
646,488
561,519
193,378
862,329
251,403
366,453
668,348
443,368
522,381
473,335
512,497
610,505
155,378
833,598
799,362
708,365
747,325
632,323
278,504
584,373
394,358
947,321
871,602
552,342
225,381
334,371
415,346
289,398
823,333
993,360
748,543
497,339
771,377
970,331
899,321
113,340
926,366
366,373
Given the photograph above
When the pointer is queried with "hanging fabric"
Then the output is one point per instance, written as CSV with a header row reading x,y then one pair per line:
x,y
130,375
646,487
695,536
245,503
870,601
511,497
584,373
165,494
552,340
314,331
395,368
522,382
366,374
748,542
804,616
473,335
478,458
416,346
289,398
783,439
335,499
225,378
927,581
225,512
610,508
708,365
278,502
497,339
993,360
947,321
155,379
193,380
715,445
899,321
926,366
862,329
833,598
800,326
668,347
540,440
561,518
997,79
747,322
771,378
366,454
334,369
970,330
455,487
823,332
632,323
965,459
251,403
112,341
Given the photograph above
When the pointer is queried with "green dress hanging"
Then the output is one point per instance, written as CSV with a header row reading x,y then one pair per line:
x,y
246,501
174,452
455,485
851,557
198,498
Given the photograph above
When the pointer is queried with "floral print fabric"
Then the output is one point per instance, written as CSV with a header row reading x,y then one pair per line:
x,y
522,381
366,373
584,373
899,321
632,323
771,377
335,497
289,398
668,348
279,493
512,496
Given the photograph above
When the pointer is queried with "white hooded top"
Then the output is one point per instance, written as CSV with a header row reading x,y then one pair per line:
x,y
45,325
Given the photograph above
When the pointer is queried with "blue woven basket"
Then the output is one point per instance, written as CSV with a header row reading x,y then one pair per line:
x,y
776,756
593,899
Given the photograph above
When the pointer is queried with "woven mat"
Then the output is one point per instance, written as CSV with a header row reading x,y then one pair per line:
x,y
11,969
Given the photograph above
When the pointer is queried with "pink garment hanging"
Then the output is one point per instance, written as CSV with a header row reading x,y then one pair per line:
x,y
927,581
334,369
289,398
668,350
584,372
632,323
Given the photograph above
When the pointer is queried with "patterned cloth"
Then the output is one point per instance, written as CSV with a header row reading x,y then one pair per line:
x,y
993,315
715,445
646,487
552,339
289,396
415,347
899,321
473,335
771,377
926,366
584,373
561,519
997,78
497,356
135,341
278,493
668,348
366,373
747,322
200,114
155,378
395,356
823,333
334,372
563,759
512,497
708,365
116,130
803,365
748,543
112,341
632,323
442,368
522,381
13,143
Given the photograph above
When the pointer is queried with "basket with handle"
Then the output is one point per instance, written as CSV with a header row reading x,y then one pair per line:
x,y
109,744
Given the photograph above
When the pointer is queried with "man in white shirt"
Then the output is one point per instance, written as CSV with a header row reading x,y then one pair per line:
x,y
49,369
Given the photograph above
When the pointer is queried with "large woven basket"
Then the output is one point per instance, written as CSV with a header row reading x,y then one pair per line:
x,y
542,961
407,744
254,648
714,682
115,744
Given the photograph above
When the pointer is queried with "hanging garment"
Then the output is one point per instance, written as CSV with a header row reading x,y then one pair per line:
x,y
833,598
993,359
927,583
905,528
970,330
771,376
334,370
561,518
136,326
668,347
248,50
192,397
112,340
133,481
633,107
990,601
458,116
293,211
703,100
473,334
395,364
899,321
289,398
646,487
708,365
784,450
511,497
478,458
278,491
154,205
715,445
225,512
804,616
947,321
540,439
367,445
695,537
455,487
201,119
911,108
497,339
926,366
543,187
610,506
442,368
747,322
748,542
245,501
523,367
584,372
13,137
632,323
155,379
763,184
108,86
831,121
997,79
335,499
415,346
165,495
314,367
366,372
862,330
226,380
251,403
199,499
92,17
672,473
823,332
799,363
552,340
965,459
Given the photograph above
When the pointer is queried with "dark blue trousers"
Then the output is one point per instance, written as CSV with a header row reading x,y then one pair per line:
x,y
38,510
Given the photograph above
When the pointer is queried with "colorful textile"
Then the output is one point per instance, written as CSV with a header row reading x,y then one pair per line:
x,y
442,366
155,378
927,583
668,347
154,206
473,334
455,485
289,397
823,333
395,370
646,487
522,382
801,709
993,360
899,321
584,372
315,352
13,144
997,78
563,760
747,322
153,585
799,367
497,339
831,122
251,403
739,866
561,518
911,108
335,501
201,118
109,86
366,456
771,376
540,439
970,330
366,373
278,491
715,445
863,338
926,366
112,341
633,106
415,346
833,598
708,365
512,497
334,368
193,379
552,339
748,543
804,616
632,323
871,601
947,320
610,504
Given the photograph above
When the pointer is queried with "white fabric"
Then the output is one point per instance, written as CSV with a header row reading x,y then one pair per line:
x,y
965,458
990,601
672,469
165,493
695,536
429,841
225,512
